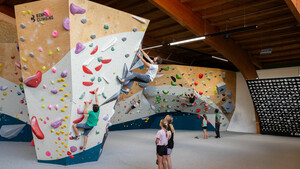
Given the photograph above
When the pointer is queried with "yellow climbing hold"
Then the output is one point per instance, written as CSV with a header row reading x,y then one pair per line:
x,y
66,106
67,134
42,22
17,117
24,59
57,133
58,80
62,79
50,53
57,150
66,95
23,12
66,146
62,127
62,99
63,110
62,132
58,49
44,68
56,142
1,64
64,120
65,125
66,139
43,106
61,89
67,116
60,154
64,85
29,12
63,150
4,93
0,70
163,105
62,142
59,146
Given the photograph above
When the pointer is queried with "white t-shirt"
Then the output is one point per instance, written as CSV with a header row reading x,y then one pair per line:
x,y
152,71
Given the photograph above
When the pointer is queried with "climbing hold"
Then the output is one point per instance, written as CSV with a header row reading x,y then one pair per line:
x,y
49,107
198,110
82,95
36,128
44,68
207,108
4,93
93,36
93,78
182,104
196,83
79,47
106,80
62,110
83,20
79,110
127,55
198,116
98,67
87,83
50,53
47,12
139,19
124,39
66,95
134,29
56,107
64,74
3,88
31,54
106,27
86,70
99,79
109,44
95,50
200,75
106,117
112,49
62,99
167,68
48,153
173,84
104,96
106,61
79,119
34,81
22,38
178,77
173,78
165,92
61,89
200,92
74,9
66,24
99,59
54,33
56,123
23,12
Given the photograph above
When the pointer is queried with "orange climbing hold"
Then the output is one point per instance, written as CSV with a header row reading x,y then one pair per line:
x,y
86,70
87,83
98,67
34,81
106,61
36,128
79,119
95,50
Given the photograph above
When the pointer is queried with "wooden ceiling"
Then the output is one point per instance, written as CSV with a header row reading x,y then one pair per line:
x,y
277,29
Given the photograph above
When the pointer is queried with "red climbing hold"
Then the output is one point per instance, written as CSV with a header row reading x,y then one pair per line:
x,y
87,83
106,61
182,104
200,92
79,119
36,128
198,110
95,50
31,143
72,156
69,153
196,83
89,102
207,122
92,92
34,81
198,116
200,76
98,67
86,70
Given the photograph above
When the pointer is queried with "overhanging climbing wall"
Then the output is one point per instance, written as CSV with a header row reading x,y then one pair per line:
x,y
14,121
215,89
68,48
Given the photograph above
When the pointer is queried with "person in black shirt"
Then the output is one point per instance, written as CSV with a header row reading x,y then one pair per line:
x,y
170,145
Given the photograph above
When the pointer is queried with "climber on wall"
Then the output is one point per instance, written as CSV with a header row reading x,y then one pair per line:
x,y
90,123
145,78
135,105
191,98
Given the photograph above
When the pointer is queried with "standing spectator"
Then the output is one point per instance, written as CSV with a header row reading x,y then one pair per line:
x,y
204,126
218,123
170,145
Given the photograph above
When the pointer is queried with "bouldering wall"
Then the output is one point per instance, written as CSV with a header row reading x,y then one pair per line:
x,y
14,121
215,89
68,49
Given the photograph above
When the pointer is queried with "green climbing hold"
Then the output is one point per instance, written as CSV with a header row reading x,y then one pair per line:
x,y
210,72
167,111
178,77
99,79
112,49
173,84
157,102
106,27
21,86
42,99
173,100
82,95
181,95
168,106
91,45
100,59
104,96
165,100
93,78
165,92
167,68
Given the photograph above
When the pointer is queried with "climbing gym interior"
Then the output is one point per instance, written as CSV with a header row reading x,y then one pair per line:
x,y
88,84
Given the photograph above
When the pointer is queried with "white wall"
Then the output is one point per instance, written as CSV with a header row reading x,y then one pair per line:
x,y
243,119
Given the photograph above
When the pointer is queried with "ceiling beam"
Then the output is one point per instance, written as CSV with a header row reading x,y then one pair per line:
x,y
185,1
294,6
281,58
237,8
211,4
282,42
269,37
193,21
7,10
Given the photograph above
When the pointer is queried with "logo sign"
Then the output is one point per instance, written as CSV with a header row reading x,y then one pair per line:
x,y
266,51
41,17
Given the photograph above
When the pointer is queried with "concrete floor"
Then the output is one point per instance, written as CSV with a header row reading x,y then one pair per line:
x,y
135,149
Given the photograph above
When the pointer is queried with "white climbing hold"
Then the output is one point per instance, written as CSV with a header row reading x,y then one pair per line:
x,y
139,19
105,80
110,44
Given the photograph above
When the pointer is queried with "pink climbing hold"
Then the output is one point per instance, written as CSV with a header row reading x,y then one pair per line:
x,y
79,110
34,81
48,153
49,107
47,118
206,105
200,76
74,9
59,138
66,24
87,83
79,47
55,34
54,70
56,107
86,70
47,12
41,49
56,123
44,86
73,149
106,61
98,67
45,122
36,128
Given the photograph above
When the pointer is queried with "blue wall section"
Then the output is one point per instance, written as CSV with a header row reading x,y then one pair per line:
x,y
24,136
181,121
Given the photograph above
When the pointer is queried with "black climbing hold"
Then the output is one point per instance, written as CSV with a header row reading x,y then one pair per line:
x,y
124,39
134,29
127,55
223,94
173,78
83,20
180,85
23,26
93,36
224,99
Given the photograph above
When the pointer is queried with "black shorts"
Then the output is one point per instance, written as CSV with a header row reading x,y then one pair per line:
x,y
204,127
161,150
132,107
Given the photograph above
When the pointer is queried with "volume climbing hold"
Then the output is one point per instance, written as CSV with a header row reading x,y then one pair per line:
x,y
74,9
56,123
66,24
79,119
36,128
79,47
86,70
34,81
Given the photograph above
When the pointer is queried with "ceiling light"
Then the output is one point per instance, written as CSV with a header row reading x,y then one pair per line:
x,y
152,47
214,57
187,41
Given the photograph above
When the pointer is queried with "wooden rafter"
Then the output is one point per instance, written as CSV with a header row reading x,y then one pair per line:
x,y
269,37
193,21
211,4
274,44
294,6
278,49
280,58
280,54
